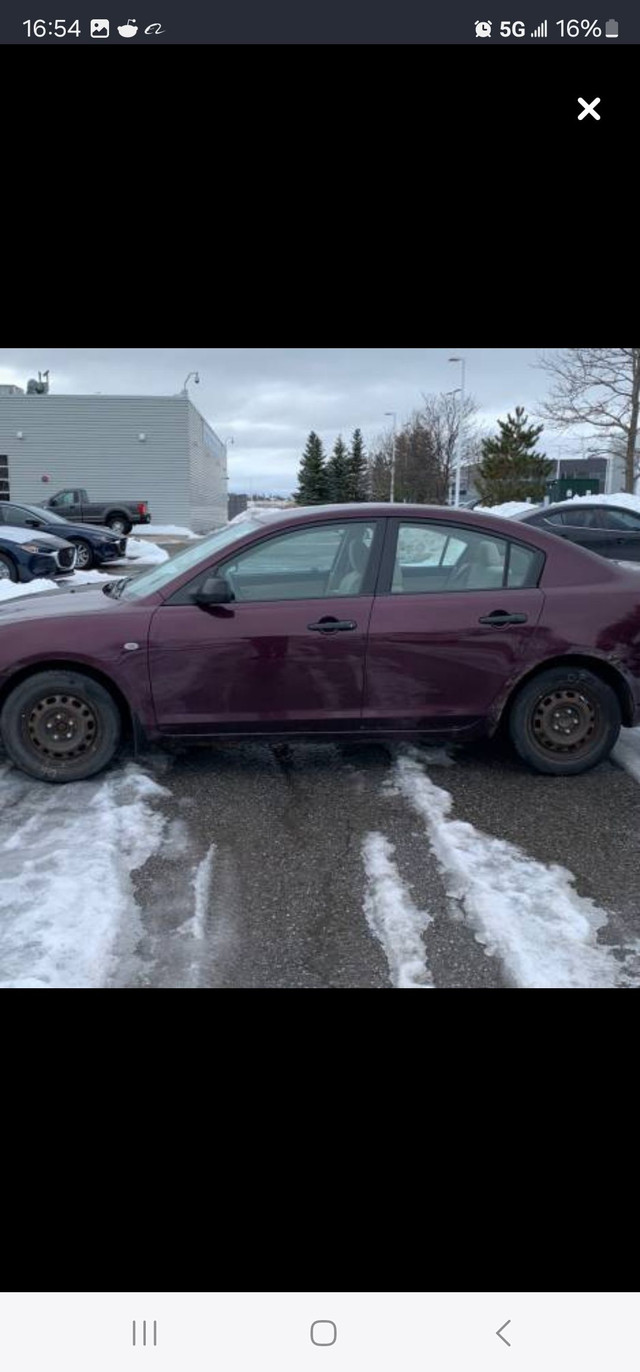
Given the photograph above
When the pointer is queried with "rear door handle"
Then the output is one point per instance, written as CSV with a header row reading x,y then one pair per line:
x,y
333,626
500,617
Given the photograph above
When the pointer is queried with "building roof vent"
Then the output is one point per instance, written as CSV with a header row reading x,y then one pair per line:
x,y
39,387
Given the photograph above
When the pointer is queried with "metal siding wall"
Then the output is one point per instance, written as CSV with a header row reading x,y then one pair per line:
x,y
92,441
208,483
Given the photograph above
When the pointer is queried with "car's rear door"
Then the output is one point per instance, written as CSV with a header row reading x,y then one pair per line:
x,y
288,653
624,530
454,619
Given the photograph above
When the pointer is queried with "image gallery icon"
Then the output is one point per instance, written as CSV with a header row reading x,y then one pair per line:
x,y
483,28
99,28
128,30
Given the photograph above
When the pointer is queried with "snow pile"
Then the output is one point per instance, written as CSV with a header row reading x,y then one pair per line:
x,y
260,516
138,550
627,750
10,590
171,529
510,510
66,856
393,917
525,911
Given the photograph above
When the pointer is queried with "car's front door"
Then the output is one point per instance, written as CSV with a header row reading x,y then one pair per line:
x,y
453,621
287,653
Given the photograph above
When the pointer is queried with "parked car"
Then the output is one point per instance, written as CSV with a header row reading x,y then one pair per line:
x,y
24,556
94,546
262,630
118,515
610,530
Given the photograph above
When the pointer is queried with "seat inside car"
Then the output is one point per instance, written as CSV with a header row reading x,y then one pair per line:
x,y
351,581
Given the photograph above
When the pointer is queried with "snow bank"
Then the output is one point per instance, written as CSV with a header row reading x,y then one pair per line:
x,y
525,911
67,854
138,550
10,590
393,917
171,529
510,510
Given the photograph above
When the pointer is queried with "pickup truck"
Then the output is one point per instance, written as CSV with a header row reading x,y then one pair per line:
x,y
118,515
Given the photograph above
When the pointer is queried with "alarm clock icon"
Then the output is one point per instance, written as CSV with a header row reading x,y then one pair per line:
x,y
483,28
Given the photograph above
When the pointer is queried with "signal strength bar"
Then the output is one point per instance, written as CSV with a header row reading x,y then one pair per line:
x,y
541,31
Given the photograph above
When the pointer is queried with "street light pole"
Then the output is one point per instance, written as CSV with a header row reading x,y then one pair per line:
x,y
392,414
459,462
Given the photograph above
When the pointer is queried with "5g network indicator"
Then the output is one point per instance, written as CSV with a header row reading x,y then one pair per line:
x,y
562,28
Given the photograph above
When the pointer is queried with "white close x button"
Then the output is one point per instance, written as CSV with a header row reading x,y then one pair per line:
x,y
589,109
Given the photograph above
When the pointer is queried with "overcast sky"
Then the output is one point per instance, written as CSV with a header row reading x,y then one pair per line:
x,y
267,399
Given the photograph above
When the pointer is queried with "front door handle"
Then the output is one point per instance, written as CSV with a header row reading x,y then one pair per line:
x,y
500,617
333,626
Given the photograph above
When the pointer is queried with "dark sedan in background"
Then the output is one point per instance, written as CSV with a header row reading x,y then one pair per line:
x,y
25,556
610,530
94,546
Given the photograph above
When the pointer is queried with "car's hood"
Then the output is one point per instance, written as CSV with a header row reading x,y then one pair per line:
x,y
72,527
69,600
15,534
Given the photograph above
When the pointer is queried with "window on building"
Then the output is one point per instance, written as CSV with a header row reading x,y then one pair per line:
x,y
4,478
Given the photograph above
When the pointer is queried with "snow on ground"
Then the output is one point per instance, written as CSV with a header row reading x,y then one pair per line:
x,y
510,510
10,590
524,911
67,854
146,552
172,529
393,917
627,751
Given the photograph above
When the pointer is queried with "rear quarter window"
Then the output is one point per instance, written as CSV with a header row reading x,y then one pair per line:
x,y
525,567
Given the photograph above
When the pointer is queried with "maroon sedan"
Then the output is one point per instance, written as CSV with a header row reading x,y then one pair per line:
x,y
351,621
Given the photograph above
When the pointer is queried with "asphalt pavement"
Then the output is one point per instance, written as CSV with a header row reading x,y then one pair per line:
x,y
284,827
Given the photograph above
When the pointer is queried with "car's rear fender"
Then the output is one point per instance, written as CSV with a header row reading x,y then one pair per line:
x,y
601,667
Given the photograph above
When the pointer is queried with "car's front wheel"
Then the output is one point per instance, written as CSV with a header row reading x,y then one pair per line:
x,y
565,721
60,726
8,570
84,554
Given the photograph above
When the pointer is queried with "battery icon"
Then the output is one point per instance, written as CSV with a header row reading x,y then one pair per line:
x,y
611,28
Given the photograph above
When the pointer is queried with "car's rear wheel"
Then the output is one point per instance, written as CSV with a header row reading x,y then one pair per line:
x,y
60,726
8,569
565,721
119,525
84,551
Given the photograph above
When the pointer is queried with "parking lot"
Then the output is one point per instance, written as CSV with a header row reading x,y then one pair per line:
x,y
326,866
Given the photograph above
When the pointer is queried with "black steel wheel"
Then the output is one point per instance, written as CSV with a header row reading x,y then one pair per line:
x,y
60,726
565,721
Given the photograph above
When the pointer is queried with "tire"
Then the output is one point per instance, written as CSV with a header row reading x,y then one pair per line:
x,y
38,703
119,525
84,559
565,721
8,569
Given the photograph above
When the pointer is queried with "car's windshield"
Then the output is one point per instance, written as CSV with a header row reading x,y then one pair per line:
x,y
47,515
190,557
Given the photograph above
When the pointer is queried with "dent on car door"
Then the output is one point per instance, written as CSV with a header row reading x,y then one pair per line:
x,y
454,620
289,649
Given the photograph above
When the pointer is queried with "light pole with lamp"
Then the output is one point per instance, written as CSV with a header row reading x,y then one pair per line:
x,y
459,462
392,414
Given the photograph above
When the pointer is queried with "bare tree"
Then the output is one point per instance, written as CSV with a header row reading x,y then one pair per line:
x,y
426,452
600,387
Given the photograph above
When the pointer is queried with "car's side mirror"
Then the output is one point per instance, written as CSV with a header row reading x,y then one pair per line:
x,y
32,523
214,591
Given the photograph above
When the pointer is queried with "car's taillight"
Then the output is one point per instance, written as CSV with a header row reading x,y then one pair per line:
x,y
142,507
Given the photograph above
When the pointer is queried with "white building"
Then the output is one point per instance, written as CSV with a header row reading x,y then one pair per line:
x,y
156,448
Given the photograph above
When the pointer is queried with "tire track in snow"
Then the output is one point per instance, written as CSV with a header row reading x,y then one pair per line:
x,y
522,910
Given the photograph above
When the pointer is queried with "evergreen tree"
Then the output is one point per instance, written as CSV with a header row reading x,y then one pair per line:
x,y
510,468
312,474
339,474
357,481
